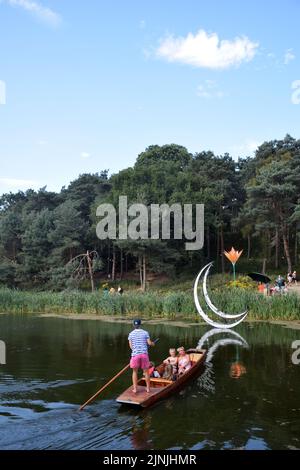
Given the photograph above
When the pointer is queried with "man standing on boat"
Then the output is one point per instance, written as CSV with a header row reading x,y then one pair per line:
x,y
139,340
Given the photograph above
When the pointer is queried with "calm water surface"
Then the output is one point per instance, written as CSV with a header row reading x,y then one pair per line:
x,y
247,397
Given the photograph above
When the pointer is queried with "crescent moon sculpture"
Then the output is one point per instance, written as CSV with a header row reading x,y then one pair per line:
x,y
201,312
209,302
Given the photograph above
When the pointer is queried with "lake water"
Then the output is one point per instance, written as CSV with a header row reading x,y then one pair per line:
x,y
248,396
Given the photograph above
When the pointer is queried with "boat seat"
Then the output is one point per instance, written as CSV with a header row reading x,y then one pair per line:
x,y
161,380
194,357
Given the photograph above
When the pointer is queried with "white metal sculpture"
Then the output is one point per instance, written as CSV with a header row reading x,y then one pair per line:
x,y
240,316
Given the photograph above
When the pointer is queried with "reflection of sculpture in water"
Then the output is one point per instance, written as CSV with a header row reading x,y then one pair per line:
x,y
239,341
140,437
237,369
206,380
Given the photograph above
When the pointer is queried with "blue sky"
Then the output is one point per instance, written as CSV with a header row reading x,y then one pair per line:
x,y
90,84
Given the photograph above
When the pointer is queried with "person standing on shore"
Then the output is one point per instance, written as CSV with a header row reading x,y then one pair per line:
x,y
294,278
139,340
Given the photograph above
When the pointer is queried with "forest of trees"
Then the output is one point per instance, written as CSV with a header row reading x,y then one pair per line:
x,y
252,203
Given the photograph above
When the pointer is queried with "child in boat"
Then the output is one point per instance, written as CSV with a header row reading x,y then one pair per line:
x,y
184,363
171,365
152,371
172,360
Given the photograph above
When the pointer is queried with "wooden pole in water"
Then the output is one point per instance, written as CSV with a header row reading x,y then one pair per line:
x,y
104,387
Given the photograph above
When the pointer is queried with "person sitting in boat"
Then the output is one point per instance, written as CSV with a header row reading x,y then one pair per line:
x,y
184,363
171,365
152,371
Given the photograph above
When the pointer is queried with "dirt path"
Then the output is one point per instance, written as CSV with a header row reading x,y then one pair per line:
x,y
294,288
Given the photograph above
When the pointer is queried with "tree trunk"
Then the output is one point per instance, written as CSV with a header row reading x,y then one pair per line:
x,y
208,243
113,270
296,248
141,271
248,246
264,266
144,273
287,250
269,250
222,249
121,264
14,250
276,248
108,260
90,270
126,263
218,249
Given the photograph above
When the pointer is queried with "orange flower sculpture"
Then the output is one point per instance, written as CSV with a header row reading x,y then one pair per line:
x,y
233,255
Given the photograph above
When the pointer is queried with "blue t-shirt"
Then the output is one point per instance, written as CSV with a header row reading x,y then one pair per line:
x,y
138,340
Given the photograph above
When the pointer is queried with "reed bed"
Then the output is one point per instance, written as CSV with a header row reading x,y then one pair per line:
x,y
154,304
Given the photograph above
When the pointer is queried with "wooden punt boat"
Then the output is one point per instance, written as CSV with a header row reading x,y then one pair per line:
x,y
161,388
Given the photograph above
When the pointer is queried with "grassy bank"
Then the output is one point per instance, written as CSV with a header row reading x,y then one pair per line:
x,y
155,304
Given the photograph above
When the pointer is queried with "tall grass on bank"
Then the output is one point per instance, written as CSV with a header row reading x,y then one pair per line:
x,y
170,305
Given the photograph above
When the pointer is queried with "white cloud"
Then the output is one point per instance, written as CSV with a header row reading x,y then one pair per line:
x,y
209,90
2,92
246,148
42,142
289,56
142,24
207,50
85,155
41,12
18,184
252,145
296,93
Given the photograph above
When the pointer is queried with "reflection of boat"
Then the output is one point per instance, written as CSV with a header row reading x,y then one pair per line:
x,y
162,388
